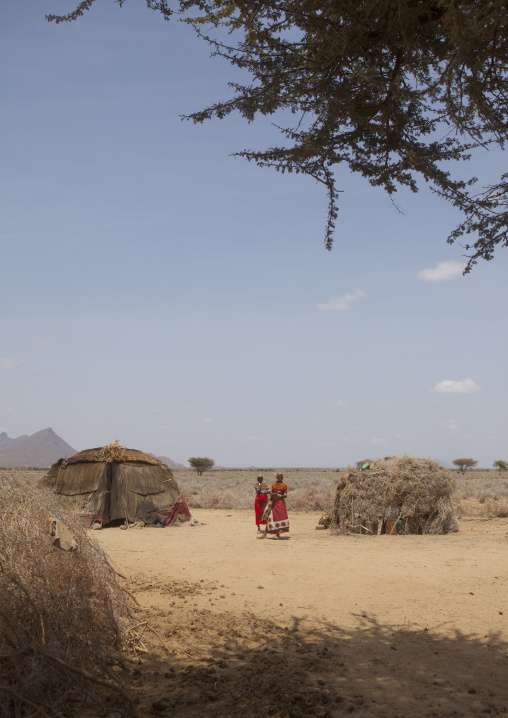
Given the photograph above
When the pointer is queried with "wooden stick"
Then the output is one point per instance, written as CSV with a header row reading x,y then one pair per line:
x,y
159,637
115,570
141,623
133,598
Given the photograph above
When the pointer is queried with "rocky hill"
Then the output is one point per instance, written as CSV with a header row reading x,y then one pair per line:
x,y
40,449
169,462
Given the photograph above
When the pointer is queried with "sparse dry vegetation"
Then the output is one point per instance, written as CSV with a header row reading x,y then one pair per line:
x,y
66,623
308,489
479,492
62,613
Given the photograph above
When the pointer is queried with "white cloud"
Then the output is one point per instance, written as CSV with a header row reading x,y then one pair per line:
x,y
43,342
448,386
207,420
340,303
450,424
400,436
9,363
9,409
348,441
166,428
341,402
253,438
378,441
443,271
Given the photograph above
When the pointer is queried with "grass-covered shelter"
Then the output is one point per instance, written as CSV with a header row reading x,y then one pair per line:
x,y
112,483
397,494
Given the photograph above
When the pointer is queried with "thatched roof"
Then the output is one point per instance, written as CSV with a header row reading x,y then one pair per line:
x,y
128,455
115,486
414,491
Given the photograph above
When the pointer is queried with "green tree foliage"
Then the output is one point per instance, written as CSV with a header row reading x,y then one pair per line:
x,y
201,464
396,90
501,465
464,464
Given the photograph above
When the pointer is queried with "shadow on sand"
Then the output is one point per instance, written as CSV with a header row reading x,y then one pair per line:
x,y
251,666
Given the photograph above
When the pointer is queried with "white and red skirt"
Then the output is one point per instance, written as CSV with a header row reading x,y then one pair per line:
x,y
276,516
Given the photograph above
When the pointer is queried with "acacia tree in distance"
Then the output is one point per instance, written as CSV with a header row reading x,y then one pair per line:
x,y
463,464
395,90
201,464
501,465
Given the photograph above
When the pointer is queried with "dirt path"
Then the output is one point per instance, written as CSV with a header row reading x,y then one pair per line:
x,y
318,624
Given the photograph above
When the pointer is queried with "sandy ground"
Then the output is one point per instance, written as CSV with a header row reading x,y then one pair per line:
x,y
316,624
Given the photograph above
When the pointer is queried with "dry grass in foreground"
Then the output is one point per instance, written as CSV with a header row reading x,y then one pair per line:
x,y
61,612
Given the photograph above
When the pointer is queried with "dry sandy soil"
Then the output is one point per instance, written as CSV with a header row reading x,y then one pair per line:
x,y
317,624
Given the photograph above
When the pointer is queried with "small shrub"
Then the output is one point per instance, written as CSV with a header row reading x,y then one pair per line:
x,y
311,499
497,509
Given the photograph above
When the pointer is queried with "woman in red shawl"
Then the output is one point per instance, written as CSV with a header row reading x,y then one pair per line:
x,y
260,503
275,512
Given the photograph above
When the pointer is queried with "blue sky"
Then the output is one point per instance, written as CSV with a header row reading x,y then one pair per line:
x,y
158,291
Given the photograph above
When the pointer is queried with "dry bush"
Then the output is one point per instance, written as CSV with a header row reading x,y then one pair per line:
x,y
482,488
497,509
234,488
60,611
212,497
311,499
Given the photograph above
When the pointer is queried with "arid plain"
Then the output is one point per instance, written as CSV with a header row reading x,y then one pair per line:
x,y
318,624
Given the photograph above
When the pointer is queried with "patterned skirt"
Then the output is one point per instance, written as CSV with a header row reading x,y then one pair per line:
x,y
276,517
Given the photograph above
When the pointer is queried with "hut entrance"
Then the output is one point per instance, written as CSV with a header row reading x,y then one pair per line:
x,y
102,498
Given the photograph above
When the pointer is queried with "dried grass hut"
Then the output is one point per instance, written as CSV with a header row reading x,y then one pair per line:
x,y
397,494
113,483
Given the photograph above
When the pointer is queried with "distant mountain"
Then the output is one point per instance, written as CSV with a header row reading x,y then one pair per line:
x,y
40,449
169,462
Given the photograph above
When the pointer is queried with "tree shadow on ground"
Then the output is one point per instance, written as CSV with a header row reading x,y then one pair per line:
x,y
250,666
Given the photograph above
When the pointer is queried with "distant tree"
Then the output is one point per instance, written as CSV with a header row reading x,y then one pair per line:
x,y
464,464
359,464
201,464
501,465
398,91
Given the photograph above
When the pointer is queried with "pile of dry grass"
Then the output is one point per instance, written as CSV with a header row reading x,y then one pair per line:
x,y
60,612
112,452
415,491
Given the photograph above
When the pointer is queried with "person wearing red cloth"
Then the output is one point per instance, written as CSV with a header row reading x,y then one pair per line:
x,y
275,512
260,502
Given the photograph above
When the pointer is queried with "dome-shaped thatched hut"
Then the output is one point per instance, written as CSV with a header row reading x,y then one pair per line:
x,y
397,494
113,483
